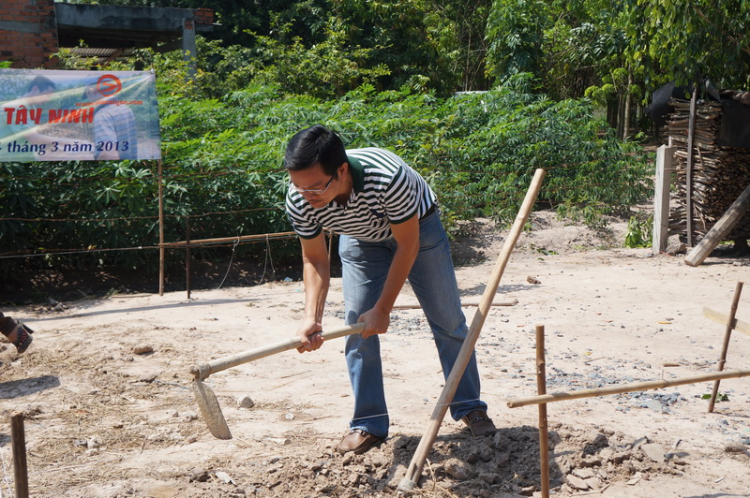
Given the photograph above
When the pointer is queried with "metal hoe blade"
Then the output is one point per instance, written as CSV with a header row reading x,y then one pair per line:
x,y
210,410
207,402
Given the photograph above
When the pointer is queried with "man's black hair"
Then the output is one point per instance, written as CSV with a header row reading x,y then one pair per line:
x,y
42,83
313,145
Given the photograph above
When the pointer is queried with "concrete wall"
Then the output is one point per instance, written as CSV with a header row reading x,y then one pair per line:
x,y
28,33
29,28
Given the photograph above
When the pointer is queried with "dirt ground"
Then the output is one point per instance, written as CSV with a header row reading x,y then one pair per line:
x,y
109,409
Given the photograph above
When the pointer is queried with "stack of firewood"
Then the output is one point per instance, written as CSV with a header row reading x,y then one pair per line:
x,y
720,174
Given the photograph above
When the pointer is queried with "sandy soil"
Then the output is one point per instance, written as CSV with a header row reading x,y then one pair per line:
x,y
106,390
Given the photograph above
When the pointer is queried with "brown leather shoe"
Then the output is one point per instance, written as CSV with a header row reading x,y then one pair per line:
x,y
479,423
358,441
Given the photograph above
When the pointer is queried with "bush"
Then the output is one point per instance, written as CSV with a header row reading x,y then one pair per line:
x,y
222,161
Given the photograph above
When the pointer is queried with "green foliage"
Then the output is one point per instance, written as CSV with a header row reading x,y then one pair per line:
x,y
222,166
516,29
719,397
638,233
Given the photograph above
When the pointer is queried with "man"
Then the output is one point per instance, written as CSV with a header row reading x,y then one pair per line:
x,y
390,230
17,333
28,140
115,132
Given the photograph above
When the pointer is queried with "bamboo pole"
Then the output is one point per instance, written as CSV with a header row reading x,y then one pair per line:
x,y
187,255
451,384
725,346
241,238
20,471
541,384
625,388
161,229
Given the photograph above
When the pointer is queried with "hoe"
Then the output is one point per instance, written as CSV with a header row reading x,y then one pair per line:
x,y
207,402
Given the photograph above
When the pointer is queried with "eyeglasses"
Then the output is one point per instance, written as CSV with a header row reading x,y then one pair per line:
x,y
312,190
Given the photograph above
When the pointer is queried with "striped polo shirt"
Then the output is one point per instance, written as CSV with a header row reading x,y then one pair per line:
x,y
385,191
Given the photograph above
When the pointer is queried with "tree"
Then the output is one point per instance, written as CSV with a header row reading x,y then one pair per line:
x,y
515,30
686,41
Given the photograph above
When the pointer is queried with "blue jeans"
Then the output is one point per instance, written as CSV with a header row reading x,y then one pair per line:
x,y
365,267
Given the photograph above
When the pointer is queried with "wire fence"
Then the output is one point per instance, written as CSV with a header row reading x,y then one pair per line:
x,y
49,184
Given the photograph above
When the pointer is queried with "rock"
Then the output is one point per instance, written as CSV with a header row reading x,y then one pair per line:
x,y
397,474
245,401
198,475
378,460
583,473
486,452
655,452
459,470
620,457
734,447
576,482
639,442
593,483
675,246
189,416
224,477
489,477
147,377
143,349
502,459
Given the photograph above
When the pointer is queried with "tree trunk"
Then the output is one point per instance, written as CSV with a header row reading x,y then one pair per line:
x,y
628,104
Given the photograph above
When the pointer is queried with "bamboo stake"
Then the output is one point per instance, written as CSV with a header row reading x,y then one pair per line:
x,y
241,238
725,346
464,355
187,255
20,471
161,230
625,388
541,385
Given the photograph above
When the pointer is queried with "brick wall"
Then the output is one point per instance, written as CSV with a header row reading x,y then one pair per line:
x,y
204,16
28,34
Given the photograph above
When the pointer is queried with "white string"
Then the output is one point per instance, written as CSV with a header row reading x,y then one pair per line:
x,y
265,262
355,419
230,263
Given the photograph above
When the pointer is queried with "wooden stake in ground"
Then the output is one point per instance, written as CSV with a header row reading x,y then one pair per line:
x,y
625,388
541,385
20,472
161,228
725,346
451,384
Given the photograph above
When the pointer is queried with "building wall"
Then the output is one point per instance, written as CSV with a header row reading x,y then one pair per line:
x,y
28,33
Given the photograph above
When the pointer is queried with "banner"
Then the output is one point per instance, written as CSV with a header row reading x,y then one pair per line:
x,y
48,115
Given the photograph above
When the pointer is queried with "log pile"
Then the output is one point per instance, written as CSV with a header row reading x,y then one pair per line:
x,y
720,174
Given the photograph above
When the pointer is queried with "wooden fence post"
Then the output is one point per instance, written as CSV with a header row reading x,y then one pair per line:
x,y
662,181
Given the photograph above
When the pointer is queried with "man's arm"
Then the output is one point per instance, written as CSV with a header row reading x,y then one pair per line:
x,y
316,271
407,238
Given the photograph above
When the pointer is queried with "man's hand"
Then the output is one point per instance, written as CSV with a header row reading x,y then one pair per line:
x,y
376,322
309,334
